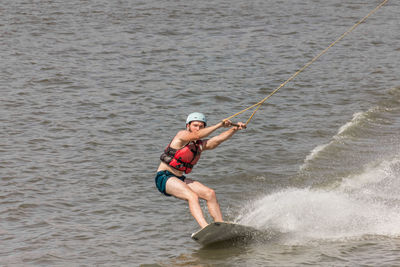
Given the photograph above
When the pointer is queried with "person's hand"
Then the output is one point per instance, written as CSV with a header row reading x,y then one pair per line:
x,y
226,123
239,125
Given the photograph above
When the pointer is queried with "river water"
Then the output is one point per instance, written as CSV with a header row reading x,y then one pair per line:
x,y
92,91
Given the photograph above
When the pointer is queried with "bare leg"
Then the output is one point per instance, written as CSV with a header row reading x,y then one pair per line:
x,y
181,190
209,195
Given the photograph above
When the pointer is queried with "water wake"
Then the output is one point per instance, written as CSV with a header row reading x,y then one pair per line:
x,y
354,184
360,205
369,126
344,132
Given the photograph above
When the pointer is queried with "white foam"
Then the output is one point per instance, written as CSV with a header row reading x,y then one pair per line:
x,y
364,204
313,154
357,118
376,181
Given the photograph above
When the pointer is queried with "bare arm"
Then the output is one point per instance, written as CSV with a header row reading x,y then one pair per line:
x,y
183,137
187,136
217,140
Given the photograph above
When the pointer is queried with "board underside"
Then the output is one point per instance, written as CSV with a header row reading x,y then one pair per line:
x,y
223,231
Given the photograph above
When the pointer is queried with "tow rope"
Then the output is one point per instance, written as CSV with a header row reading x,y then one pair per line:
x,y
258,104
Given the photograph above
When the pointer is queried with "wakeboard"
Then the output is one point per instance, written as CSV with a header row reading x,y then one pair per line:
x,y
223,231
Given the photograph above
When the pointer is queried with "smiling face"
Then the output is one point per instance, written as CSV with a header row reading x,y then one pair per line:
x,y
194,126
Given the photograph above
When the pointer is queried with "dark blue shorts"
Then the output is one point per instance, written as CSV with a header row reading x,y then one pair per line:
x,y
161,180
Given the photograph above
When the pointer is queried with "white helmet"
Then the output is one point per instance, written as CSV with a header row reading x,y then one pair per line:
x,y
196,116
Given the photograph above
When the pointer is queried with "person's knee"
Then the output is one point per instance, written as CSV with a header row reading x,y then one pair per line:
x,y
192,196
210,195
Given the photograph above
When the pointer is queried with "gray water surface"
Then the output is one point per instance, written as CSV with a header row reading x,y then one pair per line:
x,y
92,92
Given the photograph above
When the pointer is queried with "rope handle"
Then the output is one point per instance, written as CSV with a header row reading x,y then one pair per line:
x,y
235,124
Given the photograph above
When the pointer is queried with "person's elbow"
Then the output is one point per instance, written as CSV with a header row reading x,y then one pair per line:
x,y
211,145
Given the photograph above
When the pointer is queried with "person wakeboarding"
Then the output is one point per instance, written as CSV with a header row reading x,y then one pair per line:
x,y
182,154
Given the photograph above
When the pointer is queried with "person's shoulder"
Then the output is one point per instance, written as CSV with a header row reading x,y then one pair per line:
x,y
182,133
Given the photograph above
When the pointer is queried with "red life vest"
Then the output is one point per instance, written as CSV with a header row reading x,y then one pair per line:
x,y
185,158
